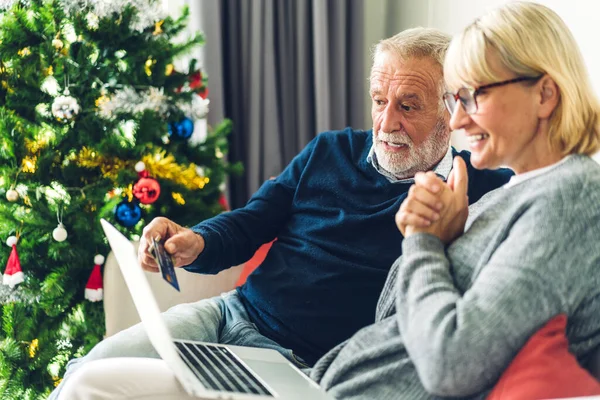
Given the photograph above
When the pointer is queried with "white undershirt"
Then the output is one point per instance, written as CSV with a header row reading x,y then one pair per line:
x,y
516,179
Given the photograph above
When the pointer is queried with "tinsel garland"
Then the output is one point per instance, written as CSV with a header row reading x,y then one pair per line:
x,y
163,166
6,4
34,147
148,11
159,165
17,295
131,101
110,167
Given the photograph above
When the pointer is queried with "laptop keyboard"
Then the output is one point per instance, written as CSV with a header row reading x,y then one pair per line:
x,y
219,369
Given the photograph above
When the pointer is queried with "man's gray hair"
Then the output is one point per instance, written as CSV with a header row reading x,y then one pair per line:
x,y
417,43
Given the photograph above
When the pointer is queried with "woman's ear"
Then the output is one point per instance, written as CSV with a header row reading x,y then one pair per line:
x,y
549,96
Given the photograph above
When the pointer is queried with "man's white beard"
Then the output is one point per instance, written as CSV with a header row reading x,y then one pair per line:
x,y
421,158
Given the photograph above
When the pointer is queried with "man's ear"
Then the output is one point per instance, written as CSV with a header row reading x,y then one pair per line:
x,y
549,96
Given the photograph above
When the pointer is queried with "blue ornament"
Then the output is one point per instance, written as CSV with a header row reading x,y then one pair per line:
x,y
127,213
181,130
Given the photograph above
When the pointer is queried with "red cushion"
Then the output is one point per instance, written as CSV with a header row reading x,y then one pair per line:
x,y
254,262
544,368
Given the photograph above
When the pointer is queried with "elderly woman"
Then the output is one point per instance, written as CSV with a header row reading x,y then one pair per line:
x,y
465,298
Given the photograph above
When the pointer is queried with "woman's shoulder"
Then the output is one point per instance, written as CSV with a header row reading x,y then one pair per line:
x,y
568,194
576,179
576,176
570,191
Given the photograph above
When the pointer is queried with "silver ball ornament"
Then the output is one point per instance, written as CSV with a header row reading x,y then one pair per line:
x,y
12,195
60,233
65,108
99,259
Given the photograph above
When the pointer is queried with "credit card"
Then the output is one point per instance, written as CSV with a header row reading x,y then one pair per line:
x,y
164,261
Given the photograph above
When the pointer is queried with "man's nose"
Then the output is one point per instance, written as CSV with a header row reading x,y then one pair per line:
x,y
390,119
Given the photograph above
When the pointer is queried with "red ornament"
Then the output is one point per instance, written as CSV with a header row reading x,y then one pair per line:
x,y
223,202
203,92
94,289
197,84
146,190
13,275
196,80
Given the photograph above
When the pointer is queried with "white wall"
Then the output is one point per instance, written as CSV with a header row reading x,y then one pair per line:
x,y
582,17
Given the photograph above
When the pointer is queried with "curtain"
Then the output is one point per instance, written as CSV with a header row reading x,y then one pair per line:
x,y
282,71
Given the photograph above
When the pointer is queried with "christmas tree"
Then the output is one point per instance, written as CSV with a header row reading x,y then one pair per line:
x,y
95,122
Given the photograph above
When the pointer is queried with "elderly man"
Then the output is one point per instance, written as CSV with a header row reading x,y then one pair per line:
x,y
332,210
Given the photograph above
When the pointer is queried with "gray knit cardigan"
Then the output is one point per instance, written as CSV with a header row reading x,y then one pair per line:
x,y
450,319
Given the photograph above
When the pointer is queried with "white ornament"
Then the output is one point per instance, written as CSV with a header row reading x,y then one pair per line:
x,y
11,241
200,172
57,43
65,108
60,233
12,195
92,21
99,259
50,86
140,166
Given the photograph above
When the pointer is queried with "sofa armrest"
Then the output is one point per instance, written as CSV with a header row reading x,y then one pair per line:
x,y
120,312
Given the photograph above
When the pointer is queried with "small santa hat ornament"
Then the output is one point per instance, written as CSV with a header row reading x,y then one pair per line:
x,y
13,275
93,288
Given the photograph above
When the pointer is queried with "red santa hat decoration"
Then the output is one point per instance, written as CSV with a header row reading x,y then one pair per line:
x,y
93,288
13,275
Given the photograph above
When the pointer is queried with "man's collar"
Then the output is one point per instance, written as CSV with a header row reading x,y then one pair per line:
x,y
442,169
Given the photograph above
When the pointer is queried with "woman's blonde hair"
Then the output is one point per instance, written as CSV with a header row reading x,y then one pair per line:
x,y
531,40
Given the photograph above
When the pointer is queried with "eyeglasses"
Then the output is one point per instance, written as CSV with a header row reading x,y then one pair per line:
x,y
468,96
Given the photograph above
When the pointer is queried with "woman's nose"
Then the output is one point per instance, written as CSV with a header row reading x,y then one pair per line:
x,y
459,118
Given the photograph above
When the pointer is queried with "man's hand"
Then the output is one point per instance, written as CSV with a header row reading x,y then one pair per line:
x,y
183,244
436,207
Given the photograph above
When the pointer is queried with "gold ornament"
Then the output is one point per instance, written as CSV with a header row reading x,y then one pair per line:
x,y
129,192
56,380
178,198
33,346
35,146
169,69
90,207
24,52
102,100
158,27
29,164
49,71
148,66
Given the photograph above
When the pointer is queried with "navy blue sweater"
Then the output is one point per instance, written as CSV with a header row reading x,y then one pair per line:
x,y
333,216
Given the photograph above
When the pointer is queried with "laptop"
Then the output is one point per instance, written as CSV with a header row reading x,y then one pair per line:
x,y
207,370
